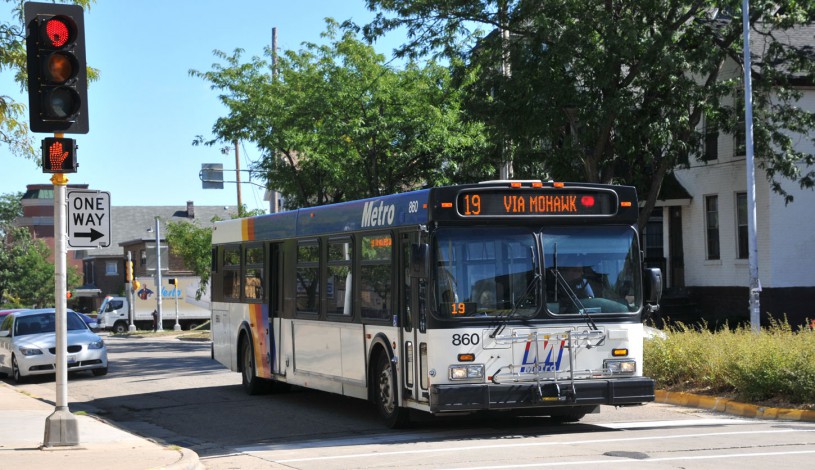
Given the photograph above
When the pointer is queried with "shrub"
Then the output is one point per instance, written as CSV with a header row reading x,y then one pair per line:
x,y
777,364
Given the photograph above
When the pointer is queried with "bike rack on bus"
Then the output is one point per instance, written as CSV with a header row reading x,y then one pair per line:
x,y
543,374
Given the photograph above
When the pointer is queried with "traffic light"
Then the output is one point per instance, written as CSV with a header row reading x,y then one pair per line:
x,y
59,155
57,74
172,281
128,271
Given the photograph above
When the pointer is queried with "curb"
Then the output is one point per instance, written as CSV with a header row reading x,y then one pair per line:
x,y
726,405
189,461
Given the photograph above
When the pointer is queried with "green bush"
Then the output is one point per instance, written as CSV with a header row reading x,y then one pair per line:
x,y
777,364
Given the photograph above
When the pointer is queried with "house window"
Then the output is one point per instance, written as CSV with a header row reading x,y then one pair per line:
x,y
740,140
741,225
111,268
711,150
712,226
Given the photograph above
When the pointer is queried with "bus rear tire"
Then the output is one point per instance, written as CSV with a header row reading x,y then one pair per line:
x,y
385,394
252,384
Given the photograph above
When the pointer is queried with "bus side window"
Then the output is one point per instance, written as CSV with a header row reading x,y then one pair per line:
x,y
376,286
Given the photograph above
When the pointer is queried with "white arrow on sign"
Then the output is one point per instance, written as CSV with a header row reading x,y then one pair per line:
x,y
88,218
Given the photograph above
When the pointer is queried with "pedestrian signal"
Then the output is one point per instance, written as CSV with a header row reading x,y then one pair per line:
x,y
59,155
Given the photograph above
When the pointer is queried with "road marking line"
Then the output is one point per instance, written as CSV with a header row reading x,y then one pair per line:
x,y
458,448
627,461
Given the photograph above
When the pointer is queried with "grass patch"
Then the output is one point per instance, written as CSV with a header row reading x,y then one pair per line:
x,y
775,366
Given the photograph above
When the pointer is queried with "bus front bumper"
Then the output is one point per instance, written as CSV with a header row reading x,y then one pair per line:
x,y
475,397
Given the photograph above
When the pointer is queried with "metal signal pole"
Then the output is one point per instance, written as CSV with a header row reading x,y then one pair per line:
x,y
61,426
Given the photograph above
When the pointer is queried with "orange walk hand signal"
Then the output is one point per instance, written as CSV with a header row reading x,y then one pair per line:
x,y
58,155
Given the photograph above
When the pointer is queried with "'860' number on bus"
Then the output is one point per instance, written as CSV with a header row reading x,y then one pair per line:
x,y
466,339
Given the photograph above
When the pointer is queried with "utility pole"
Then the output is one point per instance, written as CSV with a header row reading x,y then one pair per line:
x,y
752,247
238,177
506,171
160,326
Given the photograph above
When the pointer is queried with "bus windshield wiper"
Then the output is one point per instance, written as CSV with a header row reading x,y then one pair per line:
x,y
503,320
581,309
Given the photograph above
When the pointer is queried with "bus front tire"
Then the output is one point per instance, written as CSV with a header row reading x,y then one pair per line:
x,y
385,394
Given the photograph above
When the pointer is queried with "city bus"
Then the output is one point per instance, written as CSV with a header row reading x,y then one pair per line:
x,y
517,296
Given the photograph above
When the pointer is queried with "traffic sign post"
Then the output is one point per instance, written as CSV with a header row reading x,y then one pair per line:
x,y
88,218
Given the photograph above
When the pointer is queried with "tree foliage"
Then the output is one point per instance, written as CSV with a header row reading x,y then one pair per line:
x,y
193,244
26,274
336,122
14,132
615,91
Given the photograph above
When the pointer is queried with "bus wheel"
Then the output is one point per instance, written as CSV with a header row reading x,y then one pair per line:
x,y
252,384
385,395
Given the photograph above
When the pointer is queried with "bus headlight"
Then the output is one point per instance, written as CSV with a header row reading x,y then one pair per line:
x,y
620,366
466,372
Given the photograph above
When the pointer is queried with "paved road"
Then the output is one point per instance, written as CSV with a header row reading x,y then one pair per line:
x,y
171,391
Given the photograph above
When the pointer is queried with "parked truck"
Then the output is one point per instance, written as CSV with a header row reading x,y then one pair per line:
x,y
114,311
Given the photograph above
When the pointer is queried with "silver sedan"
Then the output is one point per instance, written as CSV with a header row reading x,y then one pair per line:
x,y
28,345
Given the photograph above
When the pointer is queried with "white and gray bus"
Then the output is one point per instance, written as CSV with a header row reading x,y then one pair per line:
x,y
519,296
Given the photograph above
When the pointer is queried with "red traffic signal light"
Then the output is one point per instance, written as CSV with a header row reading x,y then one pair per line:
x,y
59,155
57,76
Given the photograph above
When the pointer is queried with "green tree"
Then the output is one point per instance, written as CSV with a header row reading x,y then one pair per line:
x,y
615,91
10,236
193,244
336,122
14,131
26,274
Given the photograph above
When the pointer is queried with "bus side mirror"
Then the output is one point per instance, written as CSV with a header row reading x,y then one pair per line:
x,y
652,285
419,256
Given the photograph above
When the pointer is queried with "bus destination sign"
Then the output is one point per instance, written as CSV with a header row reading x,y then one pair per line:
x,y
541,201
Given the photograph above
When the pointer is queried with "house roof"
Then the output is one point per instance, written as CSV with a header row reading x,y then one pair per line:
x,y
131,223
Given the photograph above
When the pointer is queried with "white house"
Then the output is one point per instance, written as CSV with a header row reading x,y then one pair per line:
x,y
705,236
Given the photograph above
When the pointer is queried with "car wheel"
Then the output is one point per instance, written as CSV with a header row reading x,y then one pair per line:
x,y
100,372
15,371
120,327
385,394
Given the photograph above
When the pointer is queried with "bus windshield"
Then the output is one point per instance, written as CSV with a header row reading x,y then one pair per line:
x,y
591,270
486,272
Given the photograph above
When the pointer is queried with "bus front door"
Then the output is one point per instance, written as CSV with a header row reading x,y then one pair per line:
x,y
414,329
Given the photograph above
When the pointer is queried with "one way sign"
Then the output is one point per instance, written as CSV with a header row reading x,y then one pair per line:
x,y
88,218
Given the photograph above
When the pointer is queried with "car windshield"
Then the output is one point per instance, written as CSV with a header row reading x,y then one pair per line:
x,y
45,323
485,272
591,270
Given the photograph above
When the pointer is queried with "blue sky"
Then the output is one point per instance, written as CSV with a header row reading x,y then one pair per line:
x,y
146,109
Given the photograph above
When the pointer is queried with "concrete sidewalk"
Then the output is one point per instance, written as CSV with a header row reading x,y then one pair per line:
x,y
101,445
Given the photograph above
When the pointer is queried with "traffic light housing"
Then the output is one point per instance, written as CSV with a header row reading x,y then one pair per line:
x,y
57,73
172,281
59,155
128,271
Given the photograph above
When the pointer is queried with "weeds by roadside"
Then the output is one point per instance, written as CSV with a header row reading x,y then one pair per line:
x,y
776,366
